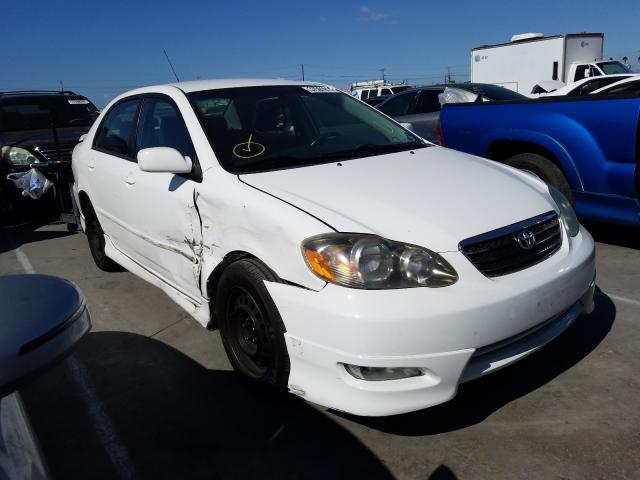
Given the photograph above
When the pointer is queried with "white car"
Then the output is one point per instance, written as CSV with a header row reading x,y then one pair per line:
x,y
588,85
626,86
342,257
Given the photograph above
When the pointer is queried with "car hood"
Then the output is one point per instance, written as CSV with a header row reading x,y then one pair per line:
x,y
433,197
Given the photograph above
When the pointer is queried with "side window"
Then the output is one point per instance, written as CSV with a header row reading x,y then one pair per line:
x,y
428,101
386,91
162,126
364,95
592,86
373,93
114,135
398,105
580,71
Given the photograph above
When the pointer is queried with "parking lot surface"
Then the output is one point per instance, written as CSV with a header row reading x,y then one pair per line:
x,y
149,394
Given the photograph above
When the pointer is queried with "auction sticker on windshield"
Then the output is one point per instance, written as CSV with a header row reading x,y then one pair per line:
x,y
320,89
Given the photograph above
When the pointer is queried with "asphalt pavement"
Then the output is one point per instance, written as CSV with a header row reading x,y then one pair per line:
x,y
150,394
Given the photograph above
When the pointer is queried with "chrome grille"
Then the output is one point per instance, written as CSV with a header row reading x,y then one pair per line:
x,y
50,152
499,252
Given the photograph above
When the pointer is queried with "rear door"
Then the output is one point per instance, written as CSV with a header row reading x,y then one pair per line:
x,y
107,164
425,113
162,218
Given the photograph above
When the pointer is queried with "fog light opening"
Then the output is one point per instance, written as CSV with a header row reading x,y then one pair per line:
x,y
378,374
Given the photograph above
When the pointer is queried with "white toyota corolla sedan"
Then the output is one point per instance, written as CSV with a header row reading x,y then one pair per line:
x,y
342,257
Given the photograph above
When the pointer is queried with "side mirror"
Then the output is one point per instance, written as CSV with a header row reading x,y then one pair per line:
x,y
42,319
163,159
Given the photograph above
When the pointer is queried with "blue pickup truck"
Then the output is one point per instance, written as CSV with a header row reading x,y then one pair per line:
x,y
588,148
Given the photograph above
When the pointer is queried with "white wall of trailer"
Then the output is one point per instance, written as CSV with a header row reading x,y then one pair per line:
x,y
582,50
519,66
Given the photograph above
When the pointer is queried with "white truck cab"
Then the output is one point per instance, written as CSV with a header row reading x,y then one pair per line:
x,y
578,71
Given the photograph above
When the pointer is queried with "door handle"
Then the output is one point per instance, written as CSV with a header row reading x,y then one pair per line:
x,y
129,180
91,165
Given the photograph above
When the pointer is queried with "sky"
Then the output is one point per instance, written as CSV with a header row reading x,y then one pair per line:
x,y
101,49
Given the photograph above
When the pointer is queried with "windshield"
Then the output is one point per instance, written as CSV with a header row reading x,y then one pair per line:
x,y
38,112
255,129
612,68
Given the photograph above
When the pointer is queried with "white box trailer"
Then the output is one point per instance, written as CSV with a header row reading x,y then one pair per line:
x,y
530,58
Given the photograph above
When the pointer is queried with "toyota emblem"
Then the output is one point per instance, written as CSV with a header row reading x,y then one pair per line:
x,y
526,239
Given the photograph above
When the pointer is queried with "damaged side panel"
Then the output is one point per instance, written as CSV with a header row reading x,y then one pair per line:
x,y
239,218
162,232
180,232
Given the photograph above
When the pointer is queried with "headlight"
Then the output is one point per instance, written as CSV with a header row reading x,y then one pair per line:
x,y
371,262
566,211
18,156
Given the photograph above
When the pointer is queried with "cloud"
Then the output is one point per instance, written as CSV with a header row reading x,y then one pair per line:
x,y
368,15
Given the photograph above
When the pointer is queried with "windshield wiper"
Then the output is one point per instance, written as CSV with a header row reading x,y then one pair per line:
x,y
75,121
365,150
398,147
273,162
370,149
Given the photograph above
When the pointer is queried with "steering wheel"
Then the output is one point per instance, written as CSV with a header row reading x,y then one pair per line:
x,y
323,137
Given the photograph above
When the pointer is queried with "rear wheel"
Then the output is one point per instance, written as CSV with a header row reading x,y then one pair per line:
x,y
95,236
250,325
544,168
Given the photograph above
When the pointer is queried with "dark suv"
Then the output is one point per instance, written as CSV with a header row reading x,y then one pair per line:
x,y
38,127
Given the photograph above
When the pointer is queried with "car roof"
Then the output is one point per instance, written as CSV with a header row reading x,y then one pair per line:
x,y
570,86
38,93
439,86
200,85
463,86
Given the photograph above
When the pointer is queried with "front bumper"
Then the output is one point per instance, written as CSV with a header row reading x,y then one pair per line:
x,y
454,333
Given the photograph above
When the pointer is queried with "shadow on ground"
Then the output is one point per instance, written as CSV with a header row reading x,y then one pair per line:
x,y
15,236
173,418
478,399
612,234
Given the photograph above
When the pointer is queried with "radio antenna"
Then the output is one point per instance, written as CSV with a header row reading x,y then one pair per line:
x,y
171,65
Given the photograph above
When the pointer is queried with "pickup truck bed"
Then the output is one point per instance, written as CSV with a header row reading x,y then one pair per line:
x,y
588,147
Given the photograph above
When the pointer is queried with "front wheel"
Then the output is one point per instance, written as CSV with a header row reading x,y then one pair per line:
x,y
543,168
250,325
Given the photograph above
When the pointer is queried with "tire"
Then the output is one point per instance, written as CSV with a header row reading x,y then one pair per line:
x,y
544,168
95,236
250,325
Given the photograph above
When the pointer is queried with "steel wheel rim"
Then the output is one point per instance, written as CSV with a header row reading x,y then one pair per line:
x,y
250,341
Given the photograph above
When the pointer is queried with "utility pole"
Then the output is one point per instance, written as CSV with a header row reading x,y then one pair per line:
x,y
302,66
382,71
61,86
448,74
